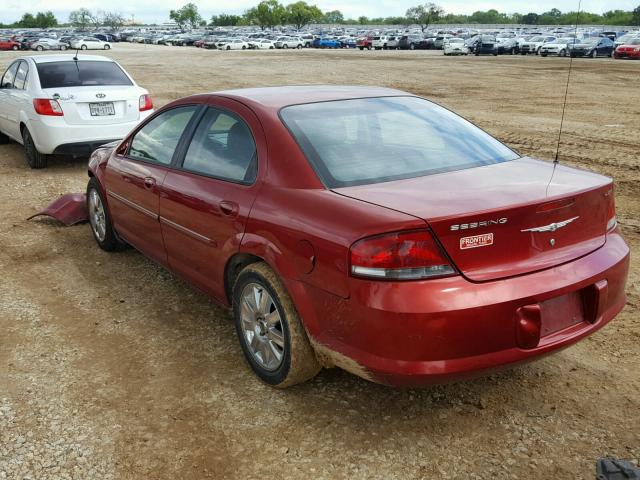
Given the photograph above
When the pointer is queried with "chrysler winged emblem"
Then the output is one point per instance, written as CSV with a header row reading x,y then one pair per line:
x,y
100,95
552,227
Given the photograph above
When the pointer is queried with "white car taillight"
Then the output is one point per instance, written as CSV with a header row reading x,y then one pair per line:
x,y
46,106
408,255
145,103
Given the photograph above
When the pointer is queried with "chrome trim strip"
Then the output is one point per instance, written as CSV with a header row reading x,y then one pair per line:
x,y
186,231
133,205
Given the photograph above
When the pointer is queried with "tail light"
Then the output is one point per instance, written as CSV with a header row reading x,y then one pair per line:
x,y
400,256
611,211
46,106
145,103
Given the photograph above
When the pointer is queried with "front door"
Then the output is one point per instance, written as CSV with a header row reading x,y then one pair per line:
x,y
133,180
206,200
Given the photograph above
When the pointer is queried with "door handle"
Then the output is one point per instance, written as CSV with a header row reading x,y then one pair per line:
x,y
149,182
228,208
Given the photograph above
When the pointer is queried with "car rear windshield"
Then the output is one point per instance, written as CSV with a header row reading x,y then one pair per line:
x,y
81,73
374,140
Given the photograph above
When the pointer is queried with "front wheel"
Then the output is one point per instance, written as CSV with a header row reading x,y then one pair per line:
x,y
563,53
269,329
228,48
63,47
107,47
594,54
15,48
35,159
39,48
99,219
83,47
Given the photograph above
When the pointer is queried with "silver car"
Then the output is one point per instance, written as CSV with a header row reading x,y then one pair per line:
x,y
49,44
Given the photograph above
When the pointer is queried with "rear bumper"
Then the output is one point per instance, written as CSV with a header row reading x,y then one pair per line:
x,y
81,149
53,135
420,333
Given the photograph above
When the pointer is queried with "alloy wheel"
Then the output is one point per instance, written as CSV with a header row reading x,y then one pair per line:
x,y
97,216
261,326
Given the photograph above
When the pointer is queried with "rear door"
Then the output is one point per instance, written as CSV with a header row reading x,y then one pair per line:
x,y
6,98
204,204
133,179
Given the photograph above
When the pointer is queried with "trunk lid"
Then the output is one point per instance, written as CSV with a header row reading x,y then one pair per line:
x,y
504,219
75,103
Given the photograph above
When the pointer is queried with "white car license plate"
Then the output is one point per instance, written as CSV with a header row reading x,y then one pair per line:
x,y
102,109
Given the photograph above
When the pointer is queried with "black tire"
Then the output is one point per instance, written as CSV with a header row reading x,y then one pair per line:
x,y
361,48
4,139
562,53
228,47
83,47
244,47
15,48
63,47
111,241
543,54
107,47
39,48
299,362
35,159
412,46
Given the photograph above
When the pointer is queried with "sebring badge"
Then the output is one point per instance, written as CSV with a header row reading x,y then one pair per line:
x,y
483,223
552,227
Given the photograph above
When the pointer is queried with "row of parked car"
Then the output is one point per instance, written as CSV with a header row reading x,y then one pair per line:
x,y
628,47
40,43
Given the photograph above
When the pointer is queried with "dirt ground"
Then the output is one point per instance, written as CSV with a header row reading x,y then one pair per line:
x,y
111,368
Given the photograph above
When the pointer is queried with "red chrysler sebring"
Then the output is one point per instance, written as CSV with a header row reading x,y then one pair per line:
x,y
364,228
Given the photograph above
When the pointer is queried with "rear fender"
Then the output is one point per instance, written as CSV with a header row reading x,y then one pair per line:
x,y
274,256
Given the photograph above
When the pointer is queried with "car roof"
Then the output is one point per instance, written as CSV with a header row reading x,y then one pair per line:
x,y
66,58
283,96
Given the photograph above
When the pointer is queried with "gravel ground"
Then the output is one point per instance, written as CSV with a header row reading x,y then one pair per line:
x,y
111,368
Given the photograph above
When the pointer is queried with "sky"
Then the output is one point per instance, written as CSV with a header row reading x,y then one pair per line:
x,y
157,11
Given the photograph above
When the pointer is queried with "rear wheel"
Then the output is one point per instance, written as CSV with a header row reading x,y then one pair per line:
x,y
412,46
63,47
271,334
83,47
35,159
15,47
594,54
39,48
562,53
228,47
107,47
99,219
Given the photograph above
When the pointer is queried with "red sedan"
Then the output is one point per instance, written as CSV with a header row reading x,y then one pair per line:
x,y
631,49
9,44
364,228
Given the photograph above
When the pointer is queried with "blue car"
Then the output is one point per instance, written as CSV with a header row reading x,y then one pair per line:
x,y
348,43
326,43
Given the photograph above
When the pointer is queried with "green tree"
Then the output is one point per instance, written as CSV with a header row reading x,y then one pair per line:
x,y
80,18
635,19
300,14
114,20
424,15
27,21
225,20
267,14
333,17
363,20
46,20
187,16
530,19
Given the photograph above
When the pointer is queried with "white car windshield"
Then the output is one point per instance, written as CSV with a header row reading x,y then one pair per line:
x,y
80,73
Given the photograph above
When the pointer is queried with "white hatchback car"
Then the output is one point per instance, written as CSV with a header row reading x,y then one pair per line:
x,y
66,105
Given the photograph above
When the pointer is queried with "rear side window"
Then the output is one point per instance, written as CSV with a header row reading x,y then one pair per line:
x,y
222,147
157,140
21,76
9,76
81,73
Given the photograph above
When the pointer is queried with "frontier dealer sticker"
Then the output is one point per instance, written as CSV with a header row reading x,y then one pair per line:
x,y
476,241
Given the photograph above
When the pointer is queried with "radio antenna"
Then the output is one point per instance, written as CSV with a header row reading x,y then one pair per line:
x,y
566,90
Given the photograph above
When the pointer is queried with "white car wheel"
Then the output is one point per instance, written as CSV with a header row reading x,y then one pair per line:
x,y
83,47
107,47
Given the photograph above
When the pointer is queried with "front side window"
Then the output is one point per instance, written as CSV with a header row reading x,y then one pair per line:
x,y
222,147
157,140
373,140
9,76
